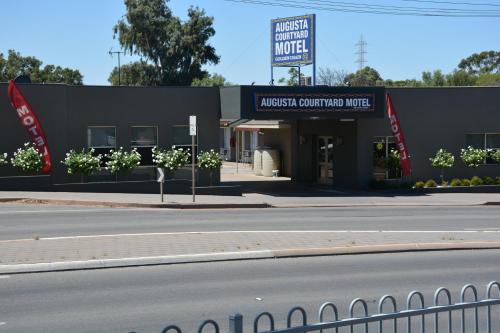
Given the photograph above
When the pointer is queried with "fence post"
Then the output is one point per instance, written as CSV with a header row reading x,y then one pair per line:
x,y
236,323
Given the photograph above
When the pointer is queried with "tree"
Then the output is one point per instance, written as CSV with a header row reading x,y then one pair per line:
x,y
488,79
293,79
481,63
331,77
364,77
15,65
443,159
136,73
177,50
461,78
435,79
403,83
211,80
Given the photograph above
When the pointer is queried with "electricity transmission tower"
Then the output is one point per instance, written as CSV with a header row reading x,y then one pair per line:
x,y
361,52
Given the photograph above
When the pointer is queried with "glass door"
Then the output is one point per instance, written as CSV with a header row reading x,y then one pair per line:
x,y
324,159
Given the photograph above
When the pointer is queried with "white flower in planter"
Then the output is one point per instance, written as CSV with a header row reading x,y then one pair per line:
x,y
120,161
27,158
82,162
3,159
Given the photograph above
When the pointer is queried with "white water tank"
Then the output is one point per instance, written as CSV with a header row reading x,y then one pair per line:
x,y
257,162
270,161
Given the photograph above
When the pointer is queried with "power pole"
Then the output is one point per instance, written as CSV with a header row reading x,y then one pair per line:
x,y
111,52
361,52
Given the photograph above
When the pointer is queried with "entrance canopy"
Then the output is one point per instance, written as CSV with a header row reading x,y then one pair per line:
x,y
299,102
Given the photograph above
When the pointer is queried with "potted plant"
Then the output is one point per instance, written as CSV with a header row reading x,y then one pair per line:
x,y
3,159
495,155
82,162
211,161
443,159
122,161
27,158
473,157
170,160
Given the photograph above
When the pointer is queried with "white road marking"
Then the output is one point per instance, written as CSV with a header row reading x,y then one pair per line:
x,y
4,276
260,232
2,323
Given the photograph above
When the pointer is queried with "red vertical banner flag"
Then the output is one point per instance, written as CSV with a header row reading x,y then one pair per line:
x,y
397,132
30,121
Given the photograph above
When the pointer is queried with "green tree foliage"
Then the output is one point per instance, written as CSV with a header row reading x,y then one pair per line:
x,y
293,77
137,73
489,79
485,62
15,65
460,78
434,79
211,80
177,50
403,83
365,77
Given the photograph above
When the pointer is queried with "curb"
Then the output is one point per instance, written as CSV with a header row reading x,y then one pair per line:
x,y
247,255
175,205
134,205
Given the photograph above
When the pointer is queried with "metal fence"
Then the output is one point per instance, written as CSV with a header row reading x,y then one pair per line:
x,y
468,316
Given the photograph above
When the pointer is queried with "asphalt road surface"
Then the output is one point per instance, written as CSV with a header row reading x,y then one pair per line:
x,y
28,221
146,299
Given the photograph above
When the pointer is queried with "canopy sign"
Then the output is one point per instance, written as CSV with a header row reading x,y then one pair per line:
x,y
293,40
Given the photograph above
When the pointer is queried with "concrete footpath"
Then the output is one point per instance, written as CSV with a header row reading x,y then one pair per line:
x,y
91,252
314,198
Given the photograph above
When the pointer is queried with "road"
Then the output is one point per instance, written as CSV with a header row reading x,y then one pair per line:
x,y
146,299
20,221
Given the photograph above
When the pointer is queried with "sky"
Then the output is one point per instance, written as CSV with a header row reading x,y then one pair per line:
x,y
78,34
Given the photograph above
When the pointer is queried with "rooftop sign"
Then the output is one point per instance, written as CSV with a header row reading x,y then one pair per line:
x,y
293,40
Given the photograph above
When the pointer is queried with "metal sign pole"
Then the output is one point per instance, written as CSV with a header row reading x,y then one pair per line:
x,y
193,129
192,167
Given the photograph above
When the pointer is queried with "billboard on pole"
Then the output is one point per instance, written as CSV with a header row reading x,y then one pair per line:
x,y
293,40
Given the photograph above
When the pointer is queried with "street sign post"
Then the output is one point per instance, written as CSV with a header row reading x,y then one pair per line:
x,y
161,180
192,132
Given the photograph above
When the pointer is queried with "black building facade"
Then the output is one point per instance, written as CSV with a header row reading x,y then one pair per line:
x,y
338,136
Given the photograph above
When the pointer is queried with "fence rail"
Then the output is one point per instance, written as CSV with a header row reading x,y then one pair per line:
x,y
409,313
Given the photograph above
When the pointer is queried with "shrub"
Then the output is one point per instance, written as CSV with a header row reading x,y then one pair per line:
x,y
443,159
497,180
444,183
3,159
475,181
122,161
430,183
83,162
495,155
473,157
488,181
171,160
27,158
456,182
209,160
419,184
465,182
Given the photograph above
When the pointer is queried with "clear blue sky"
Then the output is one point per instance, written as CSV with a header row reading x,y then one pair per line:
x,y
78,34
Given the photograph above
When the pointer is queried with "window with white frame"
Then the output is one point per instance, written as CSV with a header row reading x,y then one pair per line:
x,y
102,139
385,165
144,138
484,141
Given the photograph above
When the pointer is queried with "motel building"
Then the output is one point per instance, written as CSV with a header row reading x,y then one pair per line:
x,y
334,136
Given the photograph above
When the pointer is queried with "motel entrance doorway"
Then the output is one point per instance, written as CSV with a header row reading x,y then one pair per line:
x,y
324,159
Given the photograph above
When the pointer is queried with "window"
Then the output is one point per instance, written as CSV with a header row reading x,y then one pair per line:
x,y
144,138
484,141
182,139
102,139
385,166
